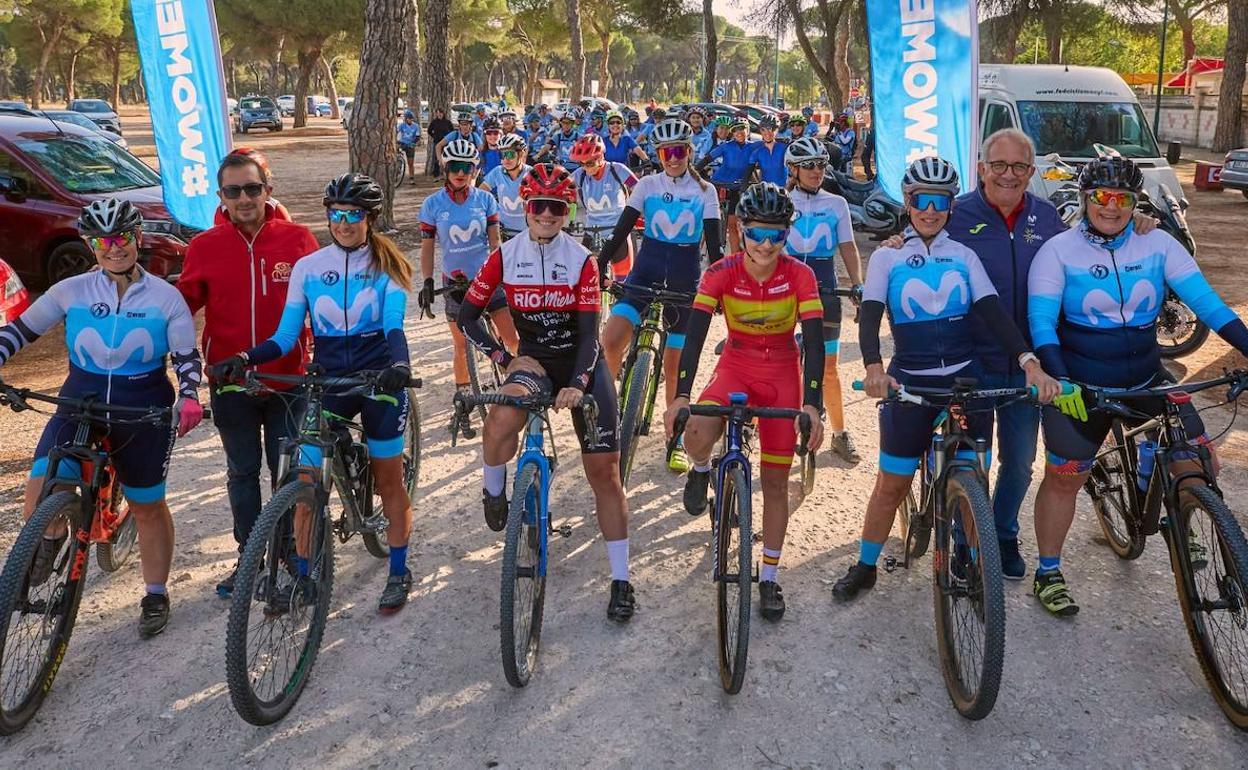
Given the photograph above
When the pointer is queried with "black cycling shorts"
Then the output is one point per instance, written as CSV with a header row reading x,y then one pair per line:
x,y
602,388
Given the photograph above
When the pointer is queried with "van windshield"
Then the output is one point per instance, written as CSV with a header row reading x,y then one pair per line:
x,y
88,165
1071,128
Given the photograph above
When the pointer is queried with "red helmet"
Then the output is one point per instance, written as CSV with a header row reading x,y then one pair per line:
x,y
588,147
547,180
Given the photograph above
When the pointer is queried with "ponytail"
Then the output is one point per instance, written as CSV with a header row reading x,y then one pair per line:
x,y
693,172
389,259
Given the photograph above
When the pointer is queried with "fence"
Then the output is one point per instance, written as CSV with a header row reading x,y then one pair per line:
x,y
1191,119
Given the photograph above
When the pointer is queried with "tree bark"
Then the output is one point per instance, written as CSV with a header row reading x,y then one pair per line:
x,y
372,148
604,70
331,89
71,75
50,43
840,61
578,50
711,53
436,20
829,17
411,56
308,60
1226,133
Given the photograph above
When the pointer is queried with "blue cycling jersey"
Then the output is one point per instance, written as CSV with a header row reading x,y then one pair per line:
x,y
408,133
734,160
821,223
602,199
702,142
506,191
491,158
618,152
460,228
770,162
561,143
674,208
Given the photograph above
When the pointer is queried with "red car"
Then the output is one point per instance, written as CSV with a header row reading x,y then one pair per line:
x,y
48,172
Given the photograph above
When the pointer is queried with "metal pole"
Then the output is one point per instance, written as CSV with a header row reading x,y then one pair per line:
x,y
1161,66
775,96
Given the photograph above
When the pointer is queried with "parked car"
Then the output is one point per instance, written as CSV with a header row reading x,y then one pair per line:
x,y
48,172
13,104
231,105
318,106
1235,171
14,299
257,112
78,119
287,103
757,111
99,111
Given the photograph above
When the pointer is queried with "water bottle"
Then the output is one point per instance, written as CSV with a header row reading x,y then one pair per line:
x,y
1147,452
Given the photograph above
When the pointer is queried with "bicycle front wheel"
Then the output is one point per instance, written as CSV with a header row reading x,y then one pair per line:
x,y
524,581
40,589
1210,548
637,387
278,616
733,576
1112,500
969,599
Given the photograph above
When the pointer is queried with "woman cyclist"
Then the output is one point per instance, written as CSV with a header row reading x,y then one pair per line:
x,y
555,281
353,293
120,324
1094,293
465,129
681,214
731,174
463,221
764,294
618,146
504,184
767,155
930,287
602,190
559,143
695,116
490,159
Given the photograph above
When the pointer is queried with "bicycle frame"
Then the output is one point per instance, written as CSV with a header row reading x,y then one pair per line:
x,y
735,453
534,452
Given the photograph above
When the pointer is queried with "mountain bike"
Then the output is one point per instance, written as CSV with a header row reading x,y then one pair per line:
x,y
1208,551
279,610
643,367
81,497
954,505
732,568
484,375
529,528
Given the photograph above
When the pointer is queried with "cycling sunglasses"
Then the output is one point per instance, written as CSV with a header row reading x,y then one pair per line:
x,y
674,152
819,164
347,216
539,206
938,202
615,122
460,167
508,154
233,191
768,235
1103,197
107,242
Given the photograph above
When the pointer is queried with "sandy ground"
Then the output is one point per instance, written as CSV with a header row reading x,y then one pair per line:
x,y
830,686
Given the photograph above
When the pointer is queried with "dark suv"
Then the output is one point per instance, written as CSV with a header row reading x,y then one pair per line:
x,y
48,172
257,112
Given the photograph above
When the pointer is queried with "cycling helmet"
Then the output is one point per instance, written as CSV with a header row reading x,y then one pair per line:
x,y
588,147
765,202
408,114
490,124
354,190
722,120
805,149
512,142
1114,173
658,114
930,173
739,121
572,113
768,122
108,217
532,117
460,149
671,131
696,109
548,180
782,117
808,111
505,114
464,117
611,114
598,113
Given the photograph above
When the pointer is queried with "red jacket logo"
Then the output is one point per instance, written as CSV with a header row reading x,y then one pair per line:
x,y
281,272
541,298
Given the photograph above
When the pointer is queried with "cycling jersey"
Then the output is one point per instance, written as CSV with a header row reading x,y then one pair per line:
x,y
537,140
619,152
701,143
760,317
491,158
520,132
674,207
355,310
734,158
506,191
473,136
560,144
460,228
821,223
770,162
408,133
601,199
1093,304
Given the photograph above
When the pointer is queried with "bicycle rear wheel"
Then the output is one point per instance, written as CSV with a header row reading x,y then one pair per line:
x,y
1217,616
733,577
276,618
523,592
483,375
807,462
37,621
636,388
1112,500
969,600
916,533
114,553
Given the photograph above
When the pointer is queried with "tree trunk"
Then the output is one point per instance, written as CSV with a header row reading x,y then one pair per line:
x,y
308,60
411,56
437,70
331,89
604,71
50,43
1226,134
578,50
71,75
1187,27
822,66
840,60
1053,35
275,69
371,139
711,52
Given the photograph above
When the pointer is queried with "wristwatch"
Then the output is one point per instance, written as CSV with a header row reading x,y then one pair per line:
x,y
1025,358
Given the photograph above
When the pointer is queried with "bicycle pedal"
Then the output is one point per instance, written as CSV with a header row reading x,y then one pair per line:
x,y
375,523
468,432
565,530
890,564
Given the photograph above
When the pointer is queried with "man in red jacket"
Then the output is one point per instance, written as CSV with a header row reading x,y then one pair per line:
x,y
238,273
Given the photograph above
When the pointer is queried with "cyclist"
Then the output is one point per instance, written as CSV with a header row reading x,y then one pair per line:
x,y
767,155
618,146
544,116
796,128
408,135
559,143
812,128
1094,293
931,287
602,192
634,128
731,174
490,158
463,130
841,132
695,116
120,323
597,120
365,332
463,221
822,229
507,121
479,117
764,294
537,134
555,280
504,184
657,115
681,214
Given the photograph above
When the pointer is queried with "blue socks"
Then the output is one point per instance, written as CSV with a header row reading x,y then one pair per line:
x,y
398,560
1049,564
301,566
869,552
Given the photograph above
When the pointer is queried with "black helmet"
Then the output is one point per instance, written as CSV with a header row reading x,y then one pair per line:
x,y
1115,173
767,121
353,189
108,217
765,202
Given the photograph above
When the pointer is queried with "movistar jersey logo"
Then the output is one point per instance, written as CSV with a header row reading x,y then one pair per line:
x,y
975,230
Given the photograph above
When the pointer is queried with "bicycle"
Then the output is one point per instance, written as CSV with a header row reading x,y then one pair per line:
x,y
278,613
1208,551
529,527
474,357
954,505
643,367
36,621
731,525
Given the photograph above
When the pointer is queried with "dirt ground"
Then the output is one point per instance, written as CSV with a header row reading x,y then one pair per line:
x,y
830,686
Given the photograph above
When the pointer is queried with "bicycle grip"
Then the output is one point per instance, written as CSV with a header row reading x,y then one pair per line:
x,y
678,428
860,386
803,428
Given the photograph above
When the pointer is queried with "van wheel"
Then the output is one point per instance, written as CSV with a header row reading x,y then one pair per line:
x,y
69,259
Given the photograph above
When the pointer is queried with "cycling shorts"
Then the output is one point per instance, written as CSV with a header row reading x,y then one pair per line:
x,y
1071,445
452,300
670,266
409,150
906,429
602,388
765,383
383,416
139,453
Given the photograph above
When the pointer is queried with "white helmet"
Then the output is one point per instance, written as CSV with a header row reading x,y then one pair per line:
x,y
930,173
512,142
460,149
671,131
805,149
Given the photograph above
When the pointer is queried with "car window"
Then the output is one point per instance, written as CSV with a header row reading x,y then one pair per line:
x,y
77,118
998,118
88,165
9,166
256,104
91,105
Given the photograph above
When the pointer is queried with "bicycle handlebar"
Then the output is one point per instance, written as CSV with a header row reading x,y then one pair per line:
x,y
915,395
1110,399
361,379
742,413
93,409
656,295
464,403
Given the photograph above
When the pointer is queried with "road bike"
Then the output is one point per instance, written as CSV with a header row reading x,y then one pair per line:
x,y
279,608
732,568
1208,551
642,369
529,527
81,504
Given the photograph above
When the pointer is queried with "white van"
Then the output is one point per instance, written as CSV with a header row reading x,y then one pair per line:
x,y
1066,110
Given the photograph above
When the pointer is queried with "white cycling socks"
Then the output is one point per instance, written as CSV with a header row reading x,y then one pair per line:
x,y
617,555
771,565
495,478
